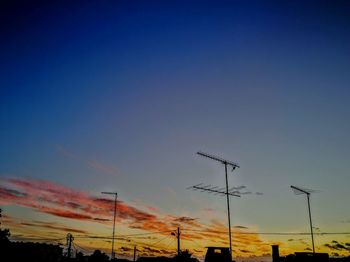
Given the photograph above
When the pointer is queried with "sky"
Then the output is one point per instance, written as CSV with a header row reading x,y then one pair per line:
x,y
120,95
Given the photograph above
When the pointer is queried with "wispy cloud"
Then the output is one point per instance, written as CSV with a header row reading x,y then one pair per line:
x,y
189,220
53,226
102,167
60,201
95,164
65,152
27,229
169,190
240,227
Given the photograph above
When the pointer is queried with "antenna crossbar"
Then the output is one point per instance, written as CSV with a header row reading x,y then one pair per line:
x,y
109,193
219,159
302,190
214,190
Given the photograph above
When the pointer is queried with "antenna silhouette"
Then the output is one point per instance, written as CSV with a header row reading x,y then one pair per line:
x,y
213,189
307,192
221,191
115,211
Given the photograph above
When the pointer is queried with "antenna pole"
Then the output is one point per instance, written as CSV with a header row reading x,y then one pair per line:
x,y
227,193
307,193
312,233
228,210
115,212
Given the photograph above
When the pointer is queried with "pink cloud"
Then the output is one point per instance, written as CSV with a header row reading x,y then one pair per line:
x,y
65,152
102,167
61,201
97,165
57,200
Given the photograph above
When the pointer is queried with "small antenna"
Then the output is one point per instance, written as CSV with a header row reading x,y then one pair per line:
x,y
115,211
307,192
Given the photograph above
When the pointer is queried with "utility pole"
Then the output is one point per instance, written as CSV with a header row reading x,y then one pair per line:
x,y
226,192
134,253
177,234
70,239
115,211
307,192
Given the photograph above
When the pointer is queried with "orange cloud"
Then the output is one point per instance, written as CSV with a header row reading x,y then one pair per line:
x,y
61,201
58,200
54,226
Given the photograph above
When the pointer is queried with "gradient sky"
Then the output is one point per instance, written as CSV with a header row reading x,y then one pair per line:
x,y
120,95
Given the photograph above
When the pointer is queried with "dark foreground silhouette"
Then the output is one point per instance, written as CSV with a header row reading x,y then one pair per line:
x,y
305,257
41,252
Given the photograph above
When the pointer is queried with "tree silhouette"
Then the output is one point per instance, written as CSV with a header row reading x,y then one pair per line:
x,y
98,256
79,257
4,233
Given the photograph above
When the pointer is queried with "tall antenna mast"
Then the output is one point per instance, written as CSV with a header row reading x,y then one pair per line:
x,y
221,191
307,192
115,211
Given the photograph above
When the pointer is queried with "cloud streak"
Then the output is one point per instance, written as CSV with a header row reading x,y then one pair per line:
x,y
60,201
53,226
97,165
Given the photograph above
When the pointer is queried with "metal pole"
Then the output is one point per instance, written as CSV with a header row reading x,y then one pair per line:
x,y
115,211
228,210
178,242
134,253
312,233
233,165
70,239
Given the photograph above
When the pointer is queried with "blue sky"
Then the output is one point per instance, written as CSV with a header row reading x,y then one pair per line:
x,y
120,96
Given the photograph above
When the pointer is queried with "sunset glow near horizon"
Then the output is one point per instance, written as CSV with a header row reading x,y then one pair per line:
x,y
120,96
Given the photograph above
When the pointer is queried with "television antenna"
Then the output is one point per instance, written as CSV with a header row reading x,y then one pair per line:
x,y
307,192
221,191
